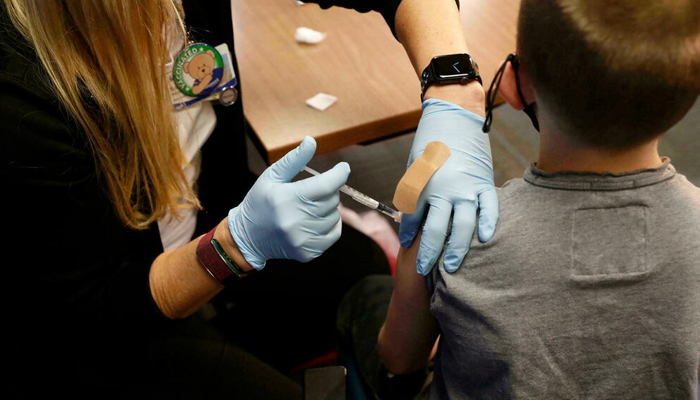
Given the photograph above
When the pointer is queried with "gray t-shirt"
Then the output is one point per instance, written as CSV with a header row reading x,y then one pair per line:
x,y
590,289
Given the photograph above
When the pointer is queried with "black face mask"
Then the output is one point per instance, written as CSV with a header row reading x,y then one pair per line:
x,y
493,92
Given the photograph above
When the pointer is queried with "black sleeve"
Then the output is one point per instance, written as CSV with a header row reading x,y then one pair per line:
x,y
74,259
385,7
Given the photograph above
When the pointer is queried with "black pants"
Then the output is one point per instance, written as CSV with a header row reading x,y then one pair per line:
x,y
267,323
286,313
196,361
183,359
361,315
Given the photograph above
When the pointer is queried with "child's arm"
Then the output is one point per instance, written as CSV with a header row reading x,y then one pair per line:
x,y
410,331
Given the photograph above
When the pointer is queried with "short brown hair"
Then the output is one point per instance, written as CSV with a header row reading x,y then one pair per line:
x,y
615,73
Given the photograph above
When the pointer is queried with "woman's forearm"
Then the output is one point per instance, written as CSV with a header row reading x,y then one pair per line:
x,y
180,285
432,28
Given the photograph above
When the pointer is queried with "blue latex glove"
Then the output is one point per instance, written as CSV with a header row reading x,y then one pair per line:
x,y
462,185
282,220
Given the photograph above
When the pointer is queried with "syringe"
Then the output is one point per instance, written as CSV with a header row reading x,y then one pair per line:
x,y
364,199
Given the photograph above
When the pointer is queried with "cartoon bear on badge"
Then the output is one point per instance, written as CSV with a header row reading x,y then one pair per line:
x,y
201,68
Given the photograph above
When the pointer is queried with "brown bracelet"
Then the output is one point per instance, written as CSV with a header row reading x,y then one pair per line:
x,y
215,261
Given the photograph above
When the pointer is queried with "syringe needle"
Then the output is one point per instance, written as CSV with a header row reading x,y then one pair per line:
x,y
364,199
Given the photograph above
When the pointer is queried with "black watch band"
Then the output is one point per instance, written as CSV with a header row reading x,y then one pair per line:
x,y
452,68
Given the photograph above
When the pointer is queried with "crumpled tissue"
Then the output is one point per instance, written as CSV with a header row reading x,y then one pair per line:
x,y
308,35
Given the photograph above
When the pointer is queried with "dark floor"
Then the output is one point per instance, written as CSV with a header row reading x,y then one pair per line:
x,y
378,167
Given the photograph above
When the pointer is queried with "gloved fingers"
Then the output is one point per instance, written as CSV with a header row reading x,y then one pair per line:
x,y
324,184
463,225
488,214
319,225
293,162
325,206
410,224
317,244
332,230
433,238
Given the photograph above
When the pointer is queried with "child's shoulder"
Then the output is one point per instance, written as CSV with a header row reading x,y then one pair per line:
x,y
510,188
684,191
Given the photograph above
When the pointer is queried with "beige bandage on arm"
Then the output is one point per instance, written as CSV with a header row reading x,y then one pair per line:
x,y
417,176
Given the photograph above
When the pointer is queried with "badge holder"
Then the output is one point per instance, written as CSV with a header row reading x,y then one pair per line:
x,y
203,73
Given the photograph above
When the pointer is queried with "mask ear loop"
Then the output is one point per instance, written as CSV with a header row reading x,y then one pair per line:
x,y
528,109
493,93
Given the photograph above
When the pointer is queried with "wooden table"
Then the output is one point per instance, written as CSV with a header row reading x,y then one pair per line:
x,y
359,62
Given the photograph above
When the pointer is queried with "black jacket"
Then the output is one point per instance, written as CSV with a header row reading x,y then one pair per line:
x,y
75,279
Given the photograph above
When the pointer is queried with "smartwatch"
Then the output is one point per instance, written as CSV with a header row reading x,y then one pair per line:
x,y
452,68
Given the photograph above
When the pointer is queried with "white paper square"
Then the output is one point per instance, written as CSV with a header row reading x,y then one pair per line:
x,y
321,101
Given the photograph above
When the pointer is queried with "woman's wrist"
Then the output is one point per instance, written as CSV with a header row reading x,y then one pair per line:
x,y
469,96
223,236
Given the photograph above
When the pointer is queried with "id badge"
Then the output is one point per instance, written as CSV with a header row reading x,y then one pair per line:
x,y
203,73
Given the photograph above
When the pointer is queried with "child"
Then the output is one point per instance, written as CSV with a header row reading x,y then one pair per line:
x,y
590,287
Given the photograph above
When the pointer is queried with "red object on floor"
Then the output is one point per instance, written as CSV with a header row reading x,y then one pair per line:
x,y
316,362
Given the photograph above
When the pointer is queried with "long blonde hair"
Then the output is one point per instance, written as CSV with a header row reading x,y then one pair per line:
x,y
117,51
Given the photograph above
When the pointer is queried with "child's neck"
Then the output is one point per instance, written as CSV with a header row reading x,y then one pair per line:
x,y
559,154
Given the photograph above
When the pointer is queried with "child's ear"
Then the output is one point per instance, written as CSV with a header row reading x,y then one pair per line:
x,y
509,88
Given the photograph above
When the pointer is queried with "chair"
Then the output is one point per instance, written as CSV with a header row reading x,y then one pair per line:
x,y
325,383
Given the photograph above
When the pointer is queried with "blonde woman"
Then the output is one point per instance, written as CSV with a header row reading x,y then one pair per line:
x,y
126,217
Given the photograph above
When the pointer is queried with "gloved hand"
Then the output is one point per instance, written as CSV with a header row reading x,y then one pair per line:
x,y
282,220
462,184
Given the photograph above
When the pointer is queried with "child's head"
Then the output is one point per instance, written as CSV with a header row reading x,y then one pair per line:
x,y
611,73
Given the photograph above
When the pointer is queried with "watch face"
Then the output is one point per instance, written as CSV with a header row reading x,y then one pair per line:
x,y
454,66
